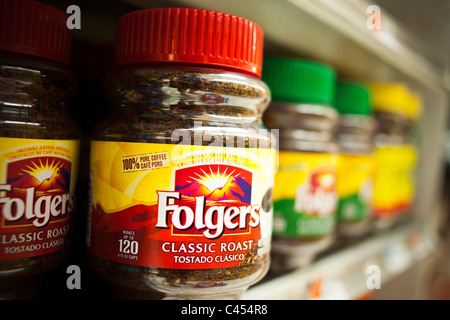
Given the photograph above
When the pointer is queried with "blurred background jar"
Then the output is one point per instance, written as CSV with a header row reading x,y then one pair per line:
x,y
397,110
354,135
305,197
199,110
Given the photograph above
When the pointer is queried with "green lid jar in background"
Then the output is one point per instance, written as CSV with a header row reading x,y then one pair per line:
x,y
304,194
356,125
355,172
302,103
352,98
299,80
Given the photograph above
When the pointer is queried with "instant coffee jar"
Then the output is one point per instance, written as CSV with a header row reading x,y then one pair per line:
x,y
38,145
396,153
355,136
305,197
181,173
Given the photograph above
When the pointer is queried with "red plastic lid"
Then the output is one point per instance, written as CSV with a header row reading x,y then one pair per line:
x,y
34,28
190,36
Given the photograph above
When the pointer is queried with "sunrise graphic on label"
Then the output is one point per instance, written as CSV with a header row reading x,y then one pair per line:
x,y
38,190
50,175
215,183
209,200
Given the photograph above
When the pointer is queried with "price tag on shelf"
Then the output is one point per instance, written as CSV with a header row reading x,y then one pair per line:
x,y
330,288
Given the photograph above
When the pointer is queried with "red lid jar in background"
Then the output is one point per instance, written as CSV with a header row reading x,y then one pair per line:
x,y
36,29
38,145
181,173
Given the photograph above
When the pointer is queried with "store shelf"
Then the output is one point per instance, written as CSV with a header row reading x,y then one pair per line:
x,y
350,272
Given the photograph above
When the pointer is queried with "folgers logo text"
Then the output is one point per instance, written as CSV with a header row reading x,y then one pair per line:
x,y
37,192
319,196
209,200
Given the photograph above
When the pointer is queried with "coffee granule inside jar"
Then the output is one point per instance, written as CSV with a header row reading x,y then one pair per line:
x,y
149,104
196,223
36,84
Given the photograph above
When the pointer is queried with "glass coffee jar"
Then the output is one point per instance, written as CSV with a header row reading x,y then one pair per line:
x,y
181,174
305,197
355,133
38,145
396,153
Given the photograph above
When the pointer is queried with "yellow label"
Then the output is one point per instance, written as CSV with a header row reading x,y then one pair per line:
x,y
394,178
305,196
37,184
120,184
296,168
179,206
355,176
407,177
355,186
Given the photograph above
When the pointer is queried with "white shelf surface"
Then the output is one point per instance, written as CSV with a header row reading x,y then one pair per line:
x,y
351,272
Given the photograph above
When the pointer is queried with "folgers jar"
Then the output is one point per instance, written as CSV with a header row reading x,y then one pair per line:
x,y
355,133
38,145
305,197
396,111
181,175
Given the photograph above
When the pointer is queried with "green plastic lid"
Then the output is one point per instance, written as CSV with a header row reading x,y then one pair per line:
x,y
297,80
352,98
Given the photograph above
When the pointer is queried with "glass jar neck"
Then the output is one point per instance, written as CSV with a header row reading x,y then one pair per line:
x,y
33,84
212,96
355,133
392,128
303,127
